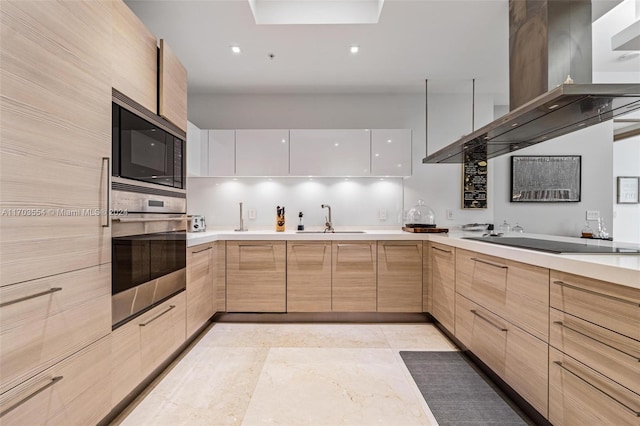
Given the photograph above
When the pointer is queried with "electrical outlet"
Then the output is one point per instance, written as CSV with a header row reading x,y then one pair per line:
x,y
252,213
593,215
382,214
449,214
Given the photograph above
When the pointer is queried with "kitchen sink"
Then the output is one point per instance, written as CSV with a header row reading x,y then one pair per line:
x,y
334,232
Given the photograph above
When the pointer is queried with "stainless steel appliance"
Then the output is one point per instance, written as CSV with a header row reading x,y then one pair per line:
x,y
556,247
197,224
146,147
148,250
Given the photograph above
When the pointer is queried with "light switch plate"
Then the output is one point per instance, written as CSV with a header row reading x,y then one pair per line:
x,y
252,213
382,214
449,214
593,215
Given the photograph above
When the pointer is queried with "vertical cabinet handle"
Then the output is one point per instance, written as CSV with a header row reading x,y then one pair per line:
x,y
108,187
52,382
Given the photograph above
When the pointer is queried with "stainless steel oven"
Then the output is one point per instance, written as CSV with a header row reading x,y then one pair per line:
x,y
149,248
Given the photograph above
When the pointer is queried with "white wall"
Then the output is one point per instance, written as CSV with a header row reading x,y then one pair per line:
x,y
626,162
439,185
595,146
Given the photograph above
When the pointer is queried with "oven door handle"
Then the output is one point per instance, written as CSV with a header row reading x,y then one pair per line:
x,y
147,219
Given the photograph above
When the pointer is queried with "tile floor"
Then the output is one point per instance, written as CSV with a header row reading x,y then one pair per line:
x,y
292,374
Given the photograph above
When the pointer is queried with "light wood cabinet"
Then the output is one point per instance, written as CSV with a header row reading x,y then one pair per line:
x,y
262,152
353,285
399,276
611,306
391,152
309,276
327,152
172,87
443,274
519,358
142,344
256,276
427,284
55,129
75,391
220,275
516,291
200,286
614,355
221,153
134,57
46,320
579,395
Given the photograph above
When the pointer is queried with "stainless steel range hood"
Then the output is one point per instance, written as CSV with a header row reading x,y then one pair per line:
x,y
565,109
548,40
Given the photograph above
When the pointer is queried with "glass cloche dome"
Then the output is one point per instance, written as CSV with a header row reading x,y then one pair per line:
x,y
421,216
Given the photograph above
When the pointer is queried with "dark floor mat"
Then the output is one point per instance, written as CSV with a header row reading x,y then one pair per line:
x,y
456,393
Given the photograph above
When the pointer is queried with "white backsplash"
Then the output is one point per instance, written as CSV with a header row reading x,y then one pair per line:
x,y
354,202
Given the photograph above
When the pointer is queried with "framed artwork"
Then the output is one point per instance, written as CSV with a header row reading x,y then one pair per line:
x,y
628,189
545,178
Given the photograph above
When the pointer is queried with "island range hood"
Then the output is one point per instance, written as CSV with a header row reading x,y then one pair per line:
x,y
549,40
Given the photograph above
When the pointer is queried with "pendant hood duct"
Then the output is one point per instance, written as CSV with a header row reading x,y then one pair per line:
x,y
549,40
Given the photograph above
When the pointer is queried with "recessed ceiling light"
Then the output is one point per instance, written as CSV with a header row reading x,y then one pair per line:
x,y
389,141
354,49
377,155
336,144
284,141
236,50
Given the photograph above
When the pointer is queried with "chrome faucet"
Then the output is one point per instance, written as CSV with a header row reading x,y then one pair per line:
x,y
328,226
242,228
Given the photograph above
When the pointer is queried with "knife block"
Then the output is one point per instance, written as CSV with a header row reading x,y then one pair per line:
x,y
280,223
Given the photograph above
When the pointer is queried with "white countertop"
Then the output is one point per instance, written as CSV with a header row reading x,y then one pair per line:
x,y
620,269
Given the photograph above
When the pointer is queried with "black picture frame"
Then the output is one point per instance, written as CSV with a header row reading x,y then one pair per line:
x,y
546,178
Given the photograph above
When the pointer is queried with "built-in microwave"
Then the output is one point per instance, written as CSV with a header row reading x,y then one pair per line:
x,y
145,151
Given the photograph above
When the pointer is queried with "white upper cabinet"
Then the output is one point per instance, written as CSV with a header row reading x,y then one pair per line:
x,y
391,152
197,141
262,152
330,152
221,153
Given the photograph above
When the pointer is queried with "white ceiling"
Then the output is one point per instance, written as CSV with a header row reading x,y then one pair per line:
x,y
449,42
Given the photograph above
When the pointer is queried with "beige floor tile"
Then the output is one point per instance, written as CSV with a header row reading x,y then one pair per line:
x,y
360,386
416,337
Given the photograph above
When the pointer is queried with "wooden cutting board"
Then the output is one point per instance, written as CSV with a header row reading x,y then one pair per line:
x,y
425,230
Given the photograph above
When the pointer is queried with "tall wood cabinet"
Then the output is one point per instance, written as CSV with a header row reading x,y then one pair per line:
x,y
256,276
55,254
309,276
443,274
172,87
354,279
200,286
399,276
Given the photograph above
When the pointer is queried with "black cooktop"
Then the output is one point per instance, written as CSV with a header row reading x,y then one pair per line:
x,y
557,247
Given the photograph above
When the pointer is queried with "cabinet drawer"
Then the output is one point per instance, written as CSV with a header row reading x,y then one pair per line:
x,y
611,306
256,276
354,268
519,358
614,355
76,391
516,291
47,319
579,395
399,276
309,276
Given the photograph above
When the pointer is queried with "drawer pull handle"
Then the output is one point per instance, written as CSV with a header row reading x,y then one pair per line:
x,y
474,312
32,296
618,299
203,250
561,324
622,404
255,245
31,395
489,263
442,250
157,316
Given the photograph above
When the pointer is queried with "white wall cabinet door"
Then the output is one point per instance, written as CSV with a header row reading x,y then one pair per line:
x,y
391,152
345,152
262,152
197,141
221,153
